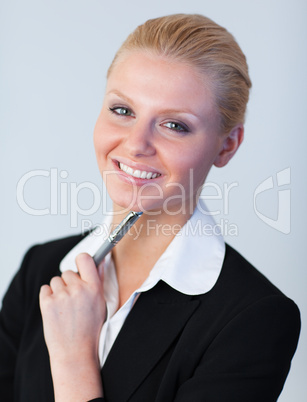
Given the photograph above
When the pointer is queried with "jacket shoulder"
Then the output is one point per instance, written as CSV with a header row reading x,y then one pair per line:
x,y
41,262
240,286
244,277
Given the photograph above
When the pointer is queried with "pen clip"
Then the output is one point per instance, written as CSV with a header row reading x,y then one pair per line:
x,y
124,226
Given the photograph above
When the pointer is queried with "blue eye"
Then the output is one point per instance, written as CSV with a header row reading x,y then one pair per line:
x,y
121,111
172,125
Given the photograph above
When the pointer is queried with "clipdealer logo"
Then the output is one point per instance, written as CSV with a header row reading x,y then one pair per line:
x,y
62,198
283,222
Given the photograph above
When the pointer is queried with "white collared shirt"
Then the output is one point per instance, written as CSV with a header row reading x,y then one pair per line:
x,y
191,264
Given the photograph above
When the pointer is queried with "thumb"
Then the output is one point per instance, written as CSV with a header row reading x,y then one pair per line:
x,y
87,268
100,270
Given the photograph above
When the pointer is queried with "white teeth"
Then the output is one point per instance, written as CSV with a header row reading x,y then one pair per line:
x,y
138,173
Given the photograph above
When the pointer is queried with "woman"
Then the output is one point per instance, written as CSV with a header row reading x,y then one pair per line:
x,y
173,314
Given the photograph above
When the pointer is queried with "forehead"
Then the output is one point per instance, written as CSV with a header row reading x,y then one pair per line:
x,y
150,78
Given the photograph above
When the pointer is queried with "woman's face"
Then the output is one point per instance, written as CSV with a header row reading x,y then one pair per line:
x,y
156,137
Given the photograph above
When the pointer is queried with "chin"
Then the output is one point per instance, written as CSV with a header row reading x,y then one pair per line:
x,y
126,202
129,199
145,207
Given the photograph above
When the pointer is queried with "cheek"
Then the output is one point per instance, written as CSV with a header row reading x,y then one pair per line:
x,y
99,146
198,158
98,131
105,138
195,164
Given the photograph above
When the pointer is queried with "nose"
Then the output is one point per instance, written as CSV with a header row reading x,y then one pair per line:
x,y
140,140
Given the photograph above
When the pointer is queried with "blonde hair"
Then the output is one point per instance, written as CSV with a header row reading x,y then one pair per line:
x,y
201,43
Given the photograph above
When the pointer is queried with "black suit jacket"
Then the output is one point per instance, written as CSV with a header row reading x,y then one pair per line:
x,y
232,344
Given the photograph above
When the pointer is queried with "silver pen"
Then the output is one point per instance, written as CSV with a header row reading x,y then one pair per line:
x,y
117,234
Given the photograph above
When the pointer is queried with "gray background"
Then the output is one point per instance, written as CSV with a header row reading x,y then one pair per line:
x,y
53,60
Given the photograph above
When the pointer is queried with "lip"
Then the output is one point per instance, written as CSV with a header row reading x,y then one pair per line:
x,y
135,166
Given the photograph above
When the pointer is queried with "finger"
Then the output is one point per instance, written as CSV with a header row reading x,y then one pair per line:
x,y
57,284
45,291
44,295
87,268
100,269
70,277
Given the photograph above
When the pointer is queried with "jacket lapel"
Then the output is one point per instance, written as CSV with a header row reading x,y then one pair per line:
x,y
156,319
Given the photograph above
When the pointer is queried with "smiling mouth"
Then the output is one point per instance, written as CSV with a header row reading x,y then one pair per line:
x,y
140,174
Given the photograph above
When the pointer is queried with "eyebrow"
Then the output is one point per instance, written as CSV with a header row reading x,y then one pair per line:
x,y
164,111
121,95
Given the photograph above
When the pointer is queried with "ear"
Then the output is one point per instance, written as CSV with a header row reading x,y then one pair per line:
x,y
230,146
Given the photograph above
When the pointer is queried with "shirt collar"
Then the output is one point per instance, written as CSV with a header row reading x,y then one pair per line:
x,y
191,264
193,260
90,244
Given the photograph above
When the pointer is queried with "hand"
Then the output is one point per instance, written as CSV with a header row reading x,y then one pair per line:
x,y
73,310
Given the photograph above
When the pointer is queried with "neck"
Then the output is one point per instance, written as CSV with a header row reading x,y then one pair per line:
x,y
138,251
151,227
